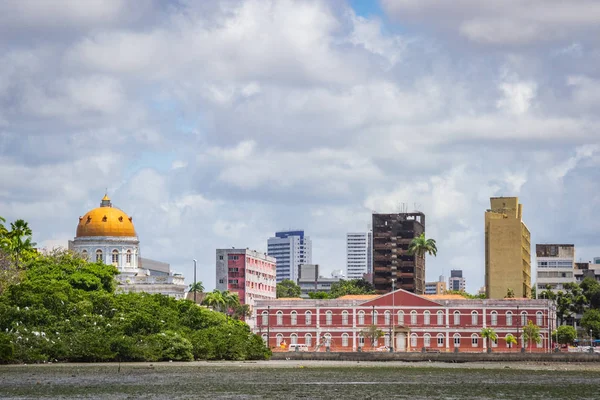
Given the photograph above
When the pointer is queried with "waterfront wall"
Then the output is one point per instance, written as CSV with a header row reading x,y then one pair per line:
x,y
439,357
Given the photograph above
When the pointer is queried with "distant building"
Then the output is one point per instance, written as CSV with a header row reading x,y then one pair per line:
x,y
290,248
310,280
456,280
507,249
106,234
392,235
586,270
435,287
555,266
481,291
338,273
249,273
358,254
596,260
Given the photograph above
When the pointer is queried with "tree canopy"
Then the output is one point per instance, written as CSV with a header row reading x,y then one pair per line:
x,y
420,246
288,288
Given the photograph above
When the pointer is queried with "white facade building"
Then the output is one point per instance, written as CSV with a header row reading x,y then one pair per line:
x,y
290,248
555,266
358,254
106,234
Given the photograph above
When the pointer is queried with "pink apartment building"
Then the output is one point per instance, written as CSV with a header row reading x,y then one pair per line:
x,y
249,273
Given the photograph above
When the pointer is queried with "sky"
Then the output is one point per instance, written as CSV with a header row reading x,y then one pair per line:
x,y
215,124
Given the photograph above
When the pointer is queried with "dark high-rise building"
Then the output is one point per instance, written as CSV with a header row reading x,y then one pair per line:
x,y
392,234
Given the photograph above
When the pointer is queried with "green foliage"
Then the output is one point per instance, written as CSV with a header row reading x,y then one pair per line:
x,y
490,335
288,288
591,320
197,287
352,286
531,333
465,294
565,334
420,246
372,333
319,295
66,309
510,340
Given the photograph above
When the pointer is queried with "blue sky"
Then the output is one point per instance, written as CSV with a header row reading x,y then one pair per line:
x,y
215,124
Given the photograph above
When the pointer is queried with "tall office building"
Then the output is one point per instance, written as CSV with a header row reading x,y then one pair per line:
x,y
392,234
290,248
555,266
507,249
358,254
457,281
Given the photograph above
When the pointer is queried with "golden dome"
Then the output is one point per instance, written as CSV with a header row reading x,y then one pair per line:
x,y
105,220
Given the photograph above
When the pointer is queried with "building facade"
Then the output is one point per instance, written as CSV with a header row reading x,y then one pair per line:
x,y
106,234
290,248
587,270
410,322
435,287
358,254
507,249
392,235
457,280
310,280
555,266
249,273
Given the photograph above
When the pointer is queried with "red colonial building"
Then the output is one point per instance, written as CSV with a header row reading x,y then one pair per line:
x,y
412,322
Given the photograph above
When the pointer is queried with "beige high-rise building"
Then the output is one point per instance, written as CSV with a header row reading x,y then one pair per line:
x,y
507,249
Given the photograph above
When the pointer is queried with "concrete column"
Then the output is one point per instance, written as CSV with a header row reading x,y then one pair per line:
x,y
318,321
354,344
447,329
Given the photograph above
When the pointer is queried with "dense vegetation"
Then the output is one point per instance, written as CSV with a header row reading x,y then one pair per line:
x,y
59,307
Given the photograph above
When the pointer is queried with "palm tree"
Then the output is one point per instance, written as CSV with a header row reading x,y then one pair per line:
x,y
490,335
232,301
531,333
420,246
214,300
4,240
241,311
197,287
20,238
510,340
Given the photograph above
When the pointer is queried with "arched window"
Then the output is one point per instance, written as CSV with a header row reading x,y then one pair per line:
x,y
279,339
374,315
265,339
279,317
99,256
308,318
328,317
387,318
128,258
308,339
386,340
474,317
293,338
539,318
456,317
456,338
474,340
400,317
426,317
413,317
115,257
509,320
344,317
440,340
413,340
265,318
361,317
293,318
540,344
494,319
84,254
345,340
327,339
440,317
523,318
427,340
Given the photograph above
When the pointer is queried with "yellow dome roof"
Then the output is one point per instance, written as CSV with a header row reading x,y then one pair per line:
x,y
105,221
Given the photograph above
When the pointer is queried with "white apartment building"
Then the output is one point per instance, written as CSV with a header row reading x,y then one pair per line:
x,y
358,254
290,249
555,266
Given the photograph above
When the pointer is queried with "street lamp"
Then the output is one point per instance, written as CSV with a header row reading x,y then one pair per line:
x,y
195,287
392,319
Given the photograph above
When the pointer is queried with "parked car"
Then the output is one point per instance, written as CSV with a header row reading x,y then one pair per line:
x,y
300,347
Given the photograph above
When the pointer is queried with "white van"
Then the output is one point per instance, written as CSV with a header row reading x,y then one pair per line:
x,y
300,347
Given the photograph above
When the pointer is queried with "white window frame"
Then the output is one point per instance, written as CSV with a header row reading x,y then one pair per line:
x,y
440,317
456,340
293,318
474,317
456,317
308,339
265,318
413,317
345,339
440,340
493,318
293,338
413,340
539,318
427,340
361,317
401,318
387,318
280,317
474,340
426,317
344,317
328,317
524,318
509,318
308,318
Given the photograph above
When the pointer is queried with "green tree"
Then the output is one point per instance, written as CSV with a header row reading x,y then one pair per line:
x,y
510,340
215,300
232,301
533,292
241,311
420,246
510,294
288,288
372,333
318,295
591,320
21,245
547,293
591,290
350,287
197,287
565,334
531,333
490,335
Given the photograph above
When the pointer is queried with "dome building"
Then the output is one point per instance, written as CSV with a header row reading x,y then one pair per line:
x,y
107,234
